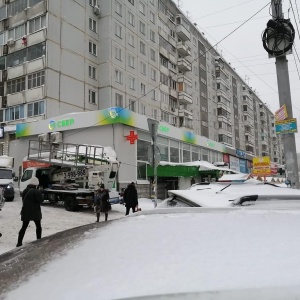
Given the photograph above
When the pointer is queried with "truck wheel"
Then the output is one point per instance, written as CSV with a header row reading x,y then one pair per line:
x,y
70,203
9,199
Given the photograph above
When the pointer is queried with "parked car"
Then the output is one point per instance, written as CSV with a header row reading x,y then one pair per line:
x,y
177,253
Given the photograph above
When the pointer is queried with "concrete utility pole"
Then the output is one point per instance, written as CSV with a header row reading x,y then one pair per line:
x,y
291,164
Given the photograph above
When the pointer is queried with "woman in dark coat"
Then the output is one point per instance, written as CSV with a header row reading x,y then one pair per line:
x,y
31,209
102,203
131,198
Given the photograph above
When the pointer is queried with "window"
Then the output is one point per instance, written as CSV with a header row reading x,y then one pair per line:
x,y
27,175
36,108
143,109
37,24
26,54
154,114
36,79
16,7
153,95
142,8
131,39
118,53
131,105
92,96
119,100
131,18
143,89
131,62
118,30
142,48
152,17
14,113
93,3
152,55
142,27
164,79
152,36
92,48
164,61
118,76
132,83
17,32
92,25
92,72
118,8
16,85
3,14
143,68
153,74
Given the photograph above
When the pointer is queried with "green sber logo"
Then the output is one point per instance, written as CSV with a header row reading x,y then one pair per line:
x,y
51,125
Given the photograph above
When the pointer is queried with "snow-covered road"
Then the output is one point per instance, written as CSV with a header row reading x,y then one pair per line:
x,y
55,219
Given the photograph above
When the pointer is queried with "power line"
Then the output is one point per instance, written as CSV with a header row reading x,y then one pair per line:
x,y
232,23
295,18
296,62
212,47
228,8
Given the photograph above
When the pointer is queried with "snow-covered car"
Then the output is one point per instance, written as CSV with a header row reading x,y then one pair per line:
x,y
228,194
178,253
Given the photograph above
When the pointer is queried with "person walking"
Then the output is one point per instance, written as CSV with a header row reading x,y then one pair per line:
x,y
101,202
31,209
131,198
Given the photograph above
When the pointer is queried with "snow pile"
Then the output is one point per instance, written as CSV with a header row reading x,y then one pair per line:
x,y
175,253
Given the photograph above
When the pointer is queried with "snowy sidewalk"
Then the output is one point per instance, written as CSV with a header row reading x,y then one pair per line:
x,y
55,219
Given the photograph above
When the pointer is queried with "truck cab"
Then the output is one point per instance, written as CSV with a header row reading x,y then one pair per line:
x,y
7,177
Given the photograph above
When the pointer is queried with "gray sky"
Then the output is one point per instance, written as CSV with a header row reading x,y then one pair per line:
x,y
244,47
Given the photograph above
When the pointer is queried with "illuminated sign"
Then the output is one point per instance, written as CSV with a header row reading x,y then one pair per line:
x,y
61,123
163,128
113,113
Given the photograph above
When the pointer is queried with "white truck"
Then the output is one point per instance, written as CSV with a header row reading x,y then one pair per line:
x,y
70,173
7,177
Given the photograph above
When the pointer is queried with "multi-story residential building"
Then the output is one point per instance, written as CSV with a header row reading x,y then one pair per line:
x,y
60,57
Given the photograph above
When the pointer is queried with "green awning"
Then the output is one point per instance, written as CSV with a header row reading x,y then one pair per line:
x,y
174,171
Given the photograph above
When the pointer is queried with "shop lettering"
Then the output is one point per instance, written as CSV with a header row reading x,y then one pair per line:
x,y
163,128
61,123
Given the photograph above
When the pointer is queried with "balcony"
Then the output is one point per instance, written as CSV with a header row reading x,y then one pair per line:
x,y
185,98
183,112
248,113
249,123
182,29
185,122
184,79
184,65
264,142
249,143
248,132
183,50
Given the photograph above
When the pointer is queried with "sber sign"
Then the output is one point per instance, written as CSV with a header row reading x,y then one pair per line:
x,y
60,124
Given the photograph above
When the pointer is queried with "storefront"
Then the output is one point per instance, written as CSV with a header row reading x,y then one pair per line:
x,y
128,134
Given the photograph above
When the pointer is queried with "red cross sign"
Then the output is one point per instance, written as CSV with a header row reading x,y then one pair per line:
x,y
132,137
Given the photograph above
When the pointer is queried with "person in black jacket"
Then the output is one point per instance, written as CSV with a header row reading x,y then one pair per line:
x,y
131,198
31,209
101,202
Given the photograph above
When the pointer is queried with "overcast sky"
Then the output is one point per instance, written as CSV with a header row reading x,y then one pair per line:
x,y
217,18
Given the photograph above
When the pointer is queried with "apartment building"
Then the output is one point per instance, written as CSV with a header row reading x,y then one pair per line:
x,y
60,57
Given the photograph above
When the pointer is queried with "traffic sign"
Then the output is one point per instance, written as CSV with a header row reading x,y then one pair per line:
x,y
286,126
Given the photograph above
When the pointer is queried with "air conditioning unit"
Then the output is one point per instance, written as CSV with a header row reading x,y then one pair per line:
x,y
10,42
56,137
96,11
43,137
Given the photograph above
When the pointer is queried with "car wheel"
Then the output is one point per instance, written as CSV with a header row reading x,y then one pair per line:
x,y
9,199
70,203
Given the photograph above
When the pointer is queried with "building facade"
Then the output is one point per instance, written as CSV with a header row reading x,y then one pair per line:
x,y
58,57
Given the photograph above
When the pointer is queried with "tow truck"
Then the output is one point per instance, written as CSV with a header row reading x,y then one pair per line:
x,y
69,173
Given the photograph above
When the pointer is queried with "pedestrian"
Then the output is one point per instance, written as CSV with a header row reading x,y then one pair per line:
x,y
31,209
101,202
131,198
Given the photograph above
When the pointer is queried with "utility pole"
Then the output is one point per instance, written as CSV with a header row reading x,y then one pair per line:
x,y
153,125
279,29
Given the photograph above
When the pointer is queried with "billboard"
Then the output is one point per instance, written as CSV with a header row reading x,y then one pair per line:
x,y
286,126
262,166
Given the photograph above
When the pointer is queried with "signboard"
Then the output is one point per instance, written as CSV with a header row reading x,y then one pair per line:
x,y
273,169
286,126
243,166
262,166
34,164
1,132
281,113
234,163
240,153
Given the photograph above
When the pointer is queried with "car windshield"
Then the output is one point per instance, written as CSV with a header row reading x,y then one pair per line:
x,y
5,174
